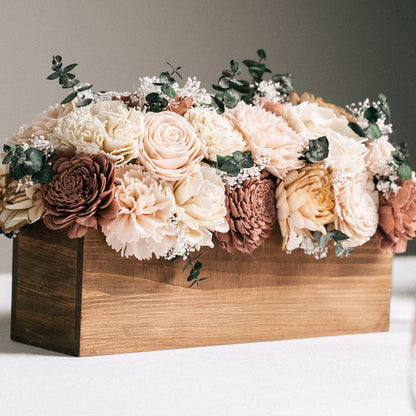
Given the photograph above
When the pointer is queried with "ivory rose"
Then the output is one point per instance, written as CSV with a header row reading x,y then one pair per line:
x,y
356,209
379,156
142,227
305,203
217,134
272,142
107,127
169,147
201,207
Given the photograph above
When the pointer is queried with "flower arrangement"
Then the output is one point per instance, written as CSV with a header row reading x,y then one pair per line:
x,y
166,169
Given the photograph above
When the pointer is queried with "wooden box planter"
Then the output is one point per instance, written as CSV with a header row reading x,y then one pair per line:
x,y
81,298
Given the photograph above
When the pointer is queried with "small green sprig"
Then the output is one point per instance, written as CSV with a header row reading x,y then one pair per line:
x,y
195,272
68,80
336,236
234,164
400,158
318,150
31,162
156,102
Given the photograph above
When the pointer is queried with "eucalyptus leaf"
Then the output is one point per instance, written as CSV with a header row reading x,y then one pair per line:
x,y
261,54
357,129
337,235
231,99
69,97
69,68
7,158
34,159
318,150
52,76
404,172
169,91
44,175
373,131
372,114
250,62
235,67
84,88
85,102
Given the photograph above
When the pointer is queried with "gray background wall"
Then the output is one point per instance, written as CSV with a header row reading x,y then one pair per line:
x,y
341,50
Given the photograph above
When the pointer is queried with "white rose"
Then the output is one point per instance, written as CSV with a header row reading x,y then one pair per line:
x,y
201,208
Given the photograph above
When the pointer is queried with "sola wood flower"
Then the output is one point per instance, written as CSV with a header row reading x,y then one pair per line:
x,y
379,156
272,142
180,105
397,222
81,193
142,227
20,201
251,214
107,127
305,203
356,209
201,207
169,147
216,133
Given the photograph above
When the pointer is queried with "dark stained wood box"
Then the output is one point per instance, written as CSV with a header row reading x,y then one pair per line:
x,y
81,298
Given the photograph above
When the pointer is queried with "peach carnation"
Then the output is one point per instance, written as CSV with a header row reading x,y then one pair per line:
x,y
169,147
305,203
379,156
397,222
217,134
356,209
142,227
272,142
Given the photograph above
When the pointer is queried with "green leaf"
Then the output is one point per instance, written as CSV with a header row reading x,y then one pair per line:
x,y
240,85
404,172
70,75
231,99
34,159
235,67
54,75
17,170
250,62
164,77
44,175
339,250
257,71
318,150
357,129
84,88
8,158
69,68
69,98
337,235
217,104
261,54
85,102
63,80
373,131
169,91
153,97
372,114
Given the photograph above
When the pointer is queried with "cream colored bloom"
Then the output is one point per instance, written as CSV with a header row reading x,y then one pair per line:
x,y
201,207
305,203
216,133
379,156
268,136
142,227
169,146
356,209
104,127
20,201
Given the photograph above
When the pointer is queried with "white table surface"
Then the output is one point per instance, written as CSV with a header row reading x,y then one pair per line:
x,y
344,375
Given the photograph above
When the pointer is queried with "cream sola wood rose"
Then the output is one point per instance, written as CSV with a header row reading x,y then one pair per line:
x,y
169,147
305,203
143,225
81,194
201,207
20,201
272,142
107,127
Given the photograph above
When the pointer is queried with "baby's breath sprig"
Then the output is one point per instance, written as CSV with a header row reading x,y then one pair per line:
x,y
67,79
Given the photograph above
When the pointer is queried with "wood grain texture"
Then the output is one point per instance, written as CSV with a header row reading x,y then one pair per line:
x,y
125,305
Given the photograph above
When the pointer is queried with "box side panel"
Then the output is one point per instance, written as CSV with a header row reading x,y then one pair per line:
x,y
132,306
46,290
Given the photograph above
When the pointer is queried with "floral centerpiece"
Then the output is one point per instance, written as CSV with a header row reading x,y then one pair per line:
x,y
166,169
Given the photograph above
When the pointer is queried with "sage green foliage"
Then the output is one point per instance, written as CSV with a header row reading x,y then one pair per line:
x,y
318,150
234,164
336,236
195,271
31,162
232,89
400,158
156,102
67,80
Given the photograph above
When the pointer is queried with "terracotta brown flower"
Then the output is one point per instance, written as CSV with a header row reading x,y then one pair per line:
x,y
251,214
81,194
397,219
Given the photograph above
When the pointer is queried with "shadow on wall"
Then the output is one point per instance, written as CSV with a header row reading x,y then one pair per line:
x,y
5,255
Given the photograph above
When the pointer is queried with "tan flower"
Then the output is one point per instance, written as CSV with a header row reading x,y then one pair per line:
x,y
216,133
107,127
20,202
180,105
356,209
397,222
201,206
305,203
142,227
272,142
379,156
169,147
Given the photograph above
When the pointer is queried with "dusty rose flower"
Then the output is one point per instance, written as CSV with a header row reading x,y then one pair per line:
x,y
81,193
180,105
169,147
356,209
251,214
142,227
272,142
379,156
305,203
20,201
397,223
